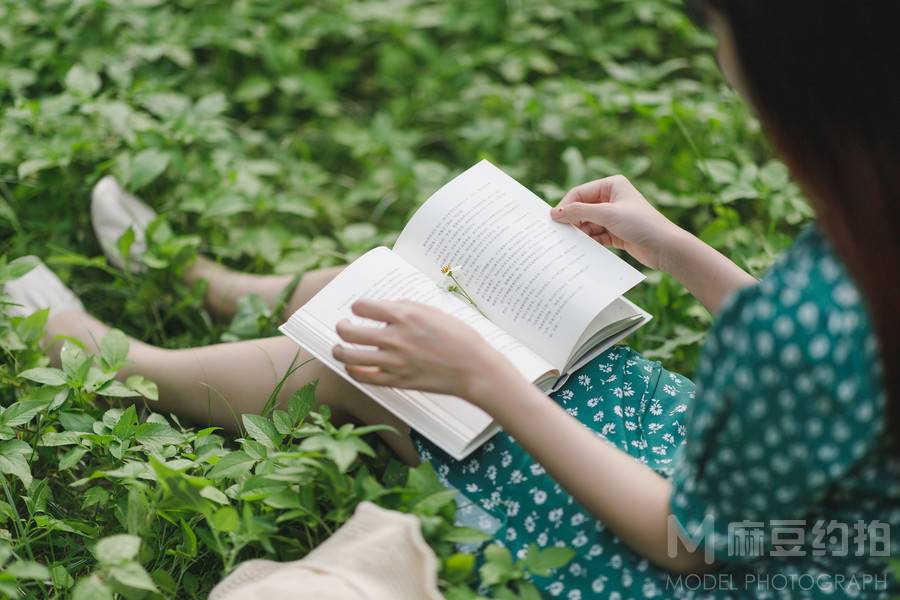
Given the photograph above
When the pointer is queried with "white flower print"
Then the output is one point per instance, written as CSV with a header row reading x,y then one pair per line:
x,y
596,550
555,515
599,584
608,429
670,390
630,425
516,476
505,459
618,410
577,519
512,508
491,472
542,539
572,410
510,534
580,540
537,469
567,395
661,450
585,381
539,496
593,402
575,569
605,368
640,444
629,411
529,524
598,416
656,408
556,588
472,488
574,595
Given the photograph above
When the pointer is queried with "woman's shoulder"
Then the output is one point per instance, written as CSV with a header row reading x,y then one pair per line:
x,y
806,306
802,331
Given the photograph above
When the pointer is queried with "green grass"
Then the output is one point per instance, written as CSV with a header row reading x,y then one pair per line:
x,y
283,136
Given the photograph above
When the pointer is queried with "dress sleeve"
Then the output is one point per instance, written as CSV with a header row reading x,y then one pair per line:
x,y
783,410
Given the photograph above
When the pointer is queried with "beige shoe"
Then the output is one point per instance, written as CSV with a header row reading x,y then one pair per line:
x,y
38,289
113,211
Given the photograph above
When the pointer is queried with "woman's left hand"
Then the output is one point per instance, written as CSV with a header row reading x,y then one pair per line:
x,y
419,348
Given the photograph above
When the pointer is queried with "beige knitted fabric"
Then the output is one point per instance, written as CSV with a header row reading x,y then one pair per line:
x,y
378,554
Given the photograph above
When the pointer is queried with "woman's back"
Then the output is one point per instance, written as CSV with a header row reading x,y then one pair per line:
x,y
787,448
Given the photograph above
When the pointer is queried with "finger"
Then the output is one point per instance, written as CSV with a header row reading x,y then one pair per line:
x,y
364,358
371,375
377,310
579,212
361,334
599,190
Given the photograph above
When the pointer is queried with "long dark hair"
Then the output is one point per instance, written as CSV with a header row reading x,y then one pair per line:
x,y
825,78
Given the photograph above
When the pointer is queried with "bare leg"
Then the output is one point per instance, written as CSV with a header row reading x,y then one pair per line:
x,y
226,286
216,384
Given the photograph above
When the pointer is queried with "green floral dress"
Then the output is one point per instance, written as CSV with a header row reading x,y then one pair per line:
x,y
787,477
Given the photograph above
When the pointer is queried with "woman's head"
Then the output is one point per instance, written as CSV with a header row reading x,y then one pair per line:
x,y
824,77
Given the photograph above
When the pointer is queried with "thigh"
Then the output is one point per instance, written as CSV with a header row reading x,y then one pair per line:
x,y
310,284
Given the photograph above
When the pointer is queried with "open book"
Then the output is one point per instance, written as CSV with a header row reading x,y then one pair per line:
x,y
547,296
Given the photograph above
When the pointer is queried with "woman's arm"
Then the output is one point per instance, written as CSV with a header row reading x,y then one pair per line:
x,y
615,214
422,348
622,492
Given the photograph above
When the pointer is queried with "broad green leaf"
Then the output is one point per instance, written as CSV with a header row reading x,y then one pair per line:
x,y
15,464
302,402
21,413
541,562
133,575
114,349
82,81
32,166
117,389
158,434
117,548
226,519
146,166
282,422
71,458
262,430
721,171
45,375
232,465
92,588
18,268
27,570
143,386
211,493
124,244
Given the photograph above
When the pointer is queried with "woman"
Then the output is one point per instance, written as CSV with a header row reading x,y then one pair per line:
x,y
789,485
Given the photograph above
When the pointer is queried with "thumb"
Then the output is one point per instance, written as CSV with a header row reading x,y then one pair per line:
x,y
579,212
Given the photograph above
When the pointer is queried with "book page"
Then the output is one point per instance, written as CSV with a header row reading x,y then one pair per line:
x,y
543,282
382,274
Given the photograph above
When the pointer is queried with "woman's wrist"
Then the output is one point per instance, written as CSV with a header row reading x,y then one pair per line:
x,y
490,372
673,248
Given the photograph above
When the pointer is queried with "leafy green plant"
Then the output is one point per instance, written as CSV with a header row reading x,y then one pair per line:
x,y
283,136
185,505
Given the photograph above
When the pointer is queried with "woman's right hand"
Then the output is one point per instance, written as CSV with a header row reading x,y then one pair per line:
x,y
614,213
